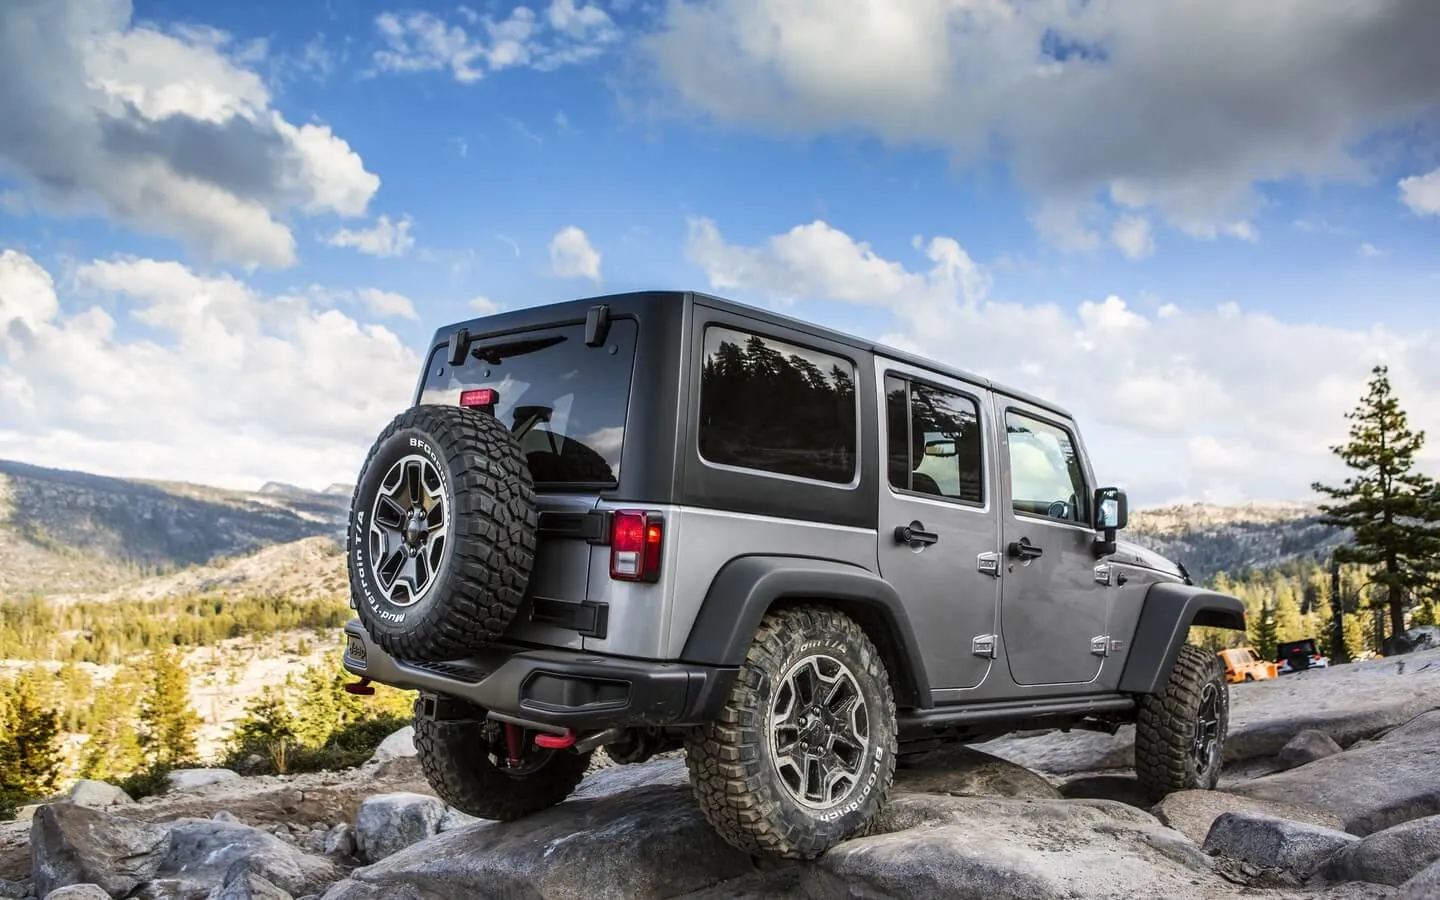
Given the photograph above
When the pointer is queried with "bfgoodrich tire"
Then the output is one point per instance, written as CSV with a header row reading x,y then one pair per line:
x,y
465,763
1180,732
442,533
803,754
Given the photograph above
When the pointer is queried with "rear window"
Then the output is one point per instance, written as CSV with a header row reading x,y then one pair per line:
x,y
567,401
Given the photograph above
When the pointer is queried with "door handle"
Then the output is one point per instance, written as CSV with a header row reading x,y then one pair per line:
x,y
1023,549
914,533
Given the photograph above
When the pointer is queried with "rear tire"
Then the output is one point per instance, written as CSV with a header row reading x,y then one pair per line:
x,y
442,533
462,760
780,776
1180,732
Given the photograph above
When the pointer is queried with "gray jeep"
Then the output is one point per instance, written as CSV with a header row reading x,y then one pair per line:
x,y
659,521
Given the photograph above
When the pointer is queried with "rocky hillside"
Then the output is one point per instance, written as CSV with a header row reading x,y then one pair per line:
x,y
63,531
1209,539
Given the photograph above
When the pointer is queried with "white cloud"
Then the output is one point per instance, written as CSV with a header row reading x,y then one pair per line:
x,y
1422,193
571,255
1121,103
388,303
171,133
252,387
1182,403
485,306
423,42
1370,251
1131,233
385,239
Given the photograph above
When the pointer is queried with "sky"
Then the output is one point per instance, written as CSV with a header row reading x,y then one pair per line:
x,y
229,229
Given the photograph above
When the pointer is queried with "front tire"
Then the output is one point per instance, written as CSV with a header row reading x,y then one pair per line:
x,y
466,764
803,754
1180,732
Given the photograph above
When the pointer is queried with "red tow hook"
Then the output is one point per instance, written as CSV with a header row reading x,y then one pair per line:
x,y
555,741
514,743
361,687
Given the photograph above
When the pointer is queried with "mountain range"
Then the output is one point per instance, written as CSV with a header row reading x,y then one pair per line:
x,y
66,534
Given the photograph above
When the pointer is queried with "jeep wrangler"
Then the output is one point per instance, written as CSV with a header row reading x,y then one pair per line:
x,y
662,521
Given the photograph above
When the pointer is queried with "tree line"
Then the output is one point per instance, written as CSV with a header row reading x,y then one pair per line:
x,y
141,726
110,633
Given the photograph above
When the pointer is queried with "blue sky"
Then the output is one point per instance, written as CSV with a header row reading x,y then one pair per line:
x,y
1199,236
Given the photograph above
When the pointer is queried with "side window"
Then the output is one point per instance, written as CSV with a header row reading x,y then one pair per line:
x,y
933,443
777,407
1045,474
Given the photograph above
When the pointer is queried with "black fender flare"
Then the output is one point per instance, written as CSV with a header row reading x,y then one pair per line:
x,y
747,587
1165,619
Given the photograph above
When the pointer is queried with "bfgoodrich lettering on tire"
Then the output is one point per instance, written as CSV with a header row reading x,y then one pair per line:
x,y
803,753
1180,732
442,533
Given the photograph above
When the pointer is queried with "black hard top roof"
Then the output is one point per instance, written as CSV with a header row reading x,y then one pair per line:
x,y
533,316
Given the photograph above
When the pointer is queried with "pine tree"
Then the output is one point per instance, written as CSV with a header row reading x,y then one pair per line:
x,y
1266,635
30,755
1392,510
268,728
167,722
113,750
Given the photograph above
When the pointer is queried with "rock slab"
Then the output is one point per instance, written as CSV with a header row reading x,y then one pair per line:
x,y
1372,785
1193,812
1275,843
1392,856
73,845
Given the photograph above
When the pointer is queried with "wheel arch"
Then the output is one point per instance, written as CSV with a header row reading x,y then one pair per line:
x,y
1169,611
747,587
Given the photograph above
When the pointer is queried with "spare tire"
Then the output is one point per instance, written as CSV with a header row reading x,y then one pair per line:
x,y
442,533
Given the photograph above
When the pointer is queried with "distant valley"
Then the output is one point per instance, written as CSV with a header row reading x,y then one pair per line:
x,y
68,535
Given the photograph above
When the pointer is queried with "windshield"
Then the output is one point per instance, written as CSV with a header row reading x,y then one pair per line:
x,y
565,401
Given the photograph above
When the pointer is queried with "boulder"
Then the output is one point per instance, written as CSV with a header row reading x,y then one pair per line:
x,y
1275,843
965,772
612,780
340,840
651,842
400,745
1067,753
73,845
1370,786
78,892
202,851
242,883
388,823
1193,812
964,847
1424,886
1392,856
98,794
182,780
1306,747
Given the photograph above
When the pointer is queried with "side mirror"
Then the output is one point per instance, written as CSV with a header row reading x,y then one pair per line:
x,y
1111,509
1111,512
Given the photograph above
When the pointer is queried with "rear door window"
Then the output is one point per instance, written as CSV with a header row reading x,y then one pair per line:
x,y
566,401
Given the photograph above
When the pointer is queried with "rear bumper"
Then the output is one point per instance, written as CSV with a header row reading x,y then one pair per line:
x,y
562,688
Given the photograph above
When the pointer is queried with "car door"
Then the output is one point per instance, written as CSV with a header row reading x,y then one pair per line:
x,y
1053,611
938,531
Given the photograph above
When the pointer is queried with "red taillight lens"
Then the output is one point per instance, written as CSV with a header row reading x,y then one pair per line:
x,y
636,541
479,397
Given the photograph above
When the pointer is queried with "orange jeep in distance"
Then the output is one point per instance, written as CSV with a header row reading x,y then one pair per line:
x,y
1242,664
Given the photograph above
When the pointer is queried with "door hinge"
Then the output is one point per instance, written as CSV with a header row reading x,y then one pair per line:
x,y
1102,574
983,645
1100,646
988,564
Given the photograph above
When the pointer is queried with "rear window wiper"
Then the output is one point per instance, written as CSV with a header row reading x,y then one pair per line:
x,y
494,354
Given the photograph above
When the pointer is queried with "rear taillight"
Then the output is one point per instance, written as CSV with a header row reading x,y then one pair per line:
x,y
481,397
636,539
